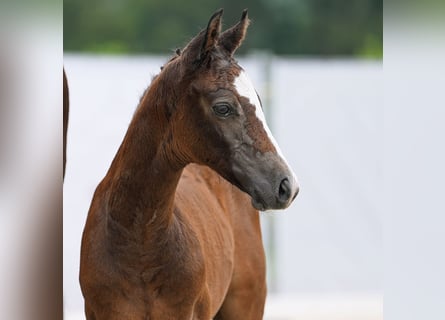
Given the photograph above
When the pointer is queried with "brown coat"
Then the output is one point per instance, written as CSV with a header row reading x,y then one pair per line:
x,y
167,237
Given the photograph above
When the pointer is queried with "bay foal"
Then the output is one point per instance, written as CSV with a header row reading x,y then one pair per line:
x,y
166,236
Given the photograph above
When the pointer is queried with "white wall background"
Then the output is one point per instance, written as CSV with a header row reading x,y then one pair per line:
x,y
326,249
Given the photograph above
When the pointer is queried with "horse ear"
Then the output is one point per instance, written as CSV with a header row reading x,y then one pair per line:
x,y
199,47
231,39
211,33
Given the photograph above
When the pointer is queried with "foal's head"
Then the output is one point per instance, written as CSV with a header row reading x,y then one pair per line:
x,y
217,118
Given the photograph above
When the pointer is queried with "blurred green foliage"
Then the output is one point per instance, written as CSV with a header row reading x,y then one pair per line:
x,y
290,27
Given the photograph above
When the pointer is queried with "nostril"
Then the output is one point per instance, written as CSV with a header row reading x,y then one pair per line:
x,y
284,190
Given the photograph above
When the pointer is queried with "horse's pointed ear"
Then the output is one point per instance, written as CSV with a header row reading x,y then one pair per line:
x,y
231,39
211,35
198,48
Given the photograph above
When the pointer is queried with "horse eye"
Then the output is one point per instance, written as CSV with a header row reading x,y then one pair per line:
x,y
222,110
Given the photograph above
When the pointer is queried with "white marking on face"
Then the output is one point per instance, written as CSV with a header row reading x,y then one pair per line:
x,y
245,88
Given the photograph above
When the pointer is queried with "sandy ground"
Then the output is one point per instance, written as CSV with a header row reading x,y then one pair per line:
x,y
283,307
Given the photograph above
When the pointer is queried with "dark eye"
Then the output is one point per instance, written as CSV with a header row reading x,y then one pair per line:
x,y
222,110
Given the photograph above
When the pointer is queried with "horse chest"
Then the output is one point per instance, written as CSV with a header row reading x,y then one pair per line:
x,y
188,268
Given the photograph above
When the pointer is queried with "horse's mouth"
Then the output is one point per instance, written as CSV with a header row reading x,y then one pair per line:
x,y
258,204
263,200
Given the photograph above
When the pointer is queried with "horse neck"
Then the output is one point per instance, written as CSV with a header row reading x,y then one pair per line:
x,y
143,176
